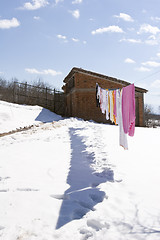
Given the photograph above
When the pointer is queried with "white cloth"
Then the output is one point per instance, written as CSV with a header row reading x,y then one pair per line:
x,y
98,93
103,100
111,106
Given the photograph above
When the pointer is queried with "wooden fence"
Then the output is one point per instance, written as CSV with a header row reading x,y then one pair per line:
x,y
24,93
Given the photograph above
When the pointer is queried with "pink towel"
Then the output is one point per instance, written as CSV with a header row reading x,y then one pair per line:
x,y
128,109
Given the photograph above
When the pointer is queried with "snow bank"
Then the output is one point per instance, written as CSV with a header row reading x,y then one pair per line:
x,y
13,116
70,179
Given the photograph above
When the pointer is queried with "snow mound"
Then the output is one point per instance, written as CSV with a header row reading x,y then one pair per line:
x,y
13,116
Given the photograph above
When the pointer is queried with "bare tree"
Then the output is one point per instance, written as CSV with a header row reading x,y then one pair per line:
x,y
148,110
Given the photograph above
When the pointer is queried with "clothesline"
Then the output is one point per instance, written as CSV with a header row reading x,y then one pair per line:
x,y
119,106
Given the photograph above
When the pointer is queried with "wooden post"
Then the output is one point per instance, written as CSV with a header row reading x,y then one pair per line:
x,y
46,98
14,92
25,93
54,101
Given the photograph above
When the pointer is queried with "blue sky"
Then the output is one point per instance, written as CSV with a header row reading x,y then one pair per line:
x,y
46,38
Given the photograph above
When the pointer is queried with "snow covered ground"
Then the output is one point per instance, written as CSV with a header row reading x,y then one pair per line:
x,y
70,179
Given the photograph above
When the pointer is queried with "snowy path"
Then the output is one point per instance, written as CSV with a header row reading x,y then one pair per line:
x,y
83,193
69,179
30,173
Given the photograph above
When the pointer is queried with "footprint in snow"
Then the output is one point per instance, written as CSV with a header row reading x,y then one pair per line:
x,y
1,232
60,196
5,178
97,224
97,198
86,234
4,190
107,173
27,189
87,206
79,213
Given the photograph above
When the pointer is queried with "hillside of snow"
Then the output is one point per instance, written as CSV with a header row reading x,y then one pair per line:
x,y
70,179
13,116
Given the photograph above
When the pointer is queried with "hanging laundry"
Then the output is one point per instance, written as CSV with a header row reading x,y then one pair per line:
x,y
115,108
114,102
122,135
119,107
97,95
103,100
111,106
108,102
128,109
107,110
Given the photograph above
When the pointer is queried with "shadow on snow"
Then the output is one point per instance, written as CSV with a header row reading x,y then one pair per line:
x,y
47,116
83,193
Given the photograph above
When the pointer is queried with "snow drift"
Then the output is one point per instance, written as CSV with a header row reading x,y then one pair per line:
x,y
69,178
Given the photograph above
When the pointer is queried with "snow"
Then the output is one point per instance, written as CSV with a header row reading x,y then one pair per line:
x,y
70,179
13,116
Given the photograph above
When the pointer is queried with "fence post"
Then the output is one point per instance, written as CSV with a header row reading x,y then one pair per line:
x,y
46,98
54,104
15,92
25,93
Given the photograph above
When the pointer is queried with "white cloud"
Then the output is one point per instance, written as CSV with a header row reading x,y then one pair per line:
x,y
57,1
77,1
6,23
129,60
151,64
158,54
36,18
43,72
143,69
147,28
125,17
75,13
84,42
156,84
156,19
153,37
75,40
151,42
112,28
131,40
61,37
35,4
144,11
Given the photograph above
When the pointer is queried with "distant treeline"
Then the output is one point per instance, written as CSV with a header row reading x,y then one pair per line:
x,y
151,119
